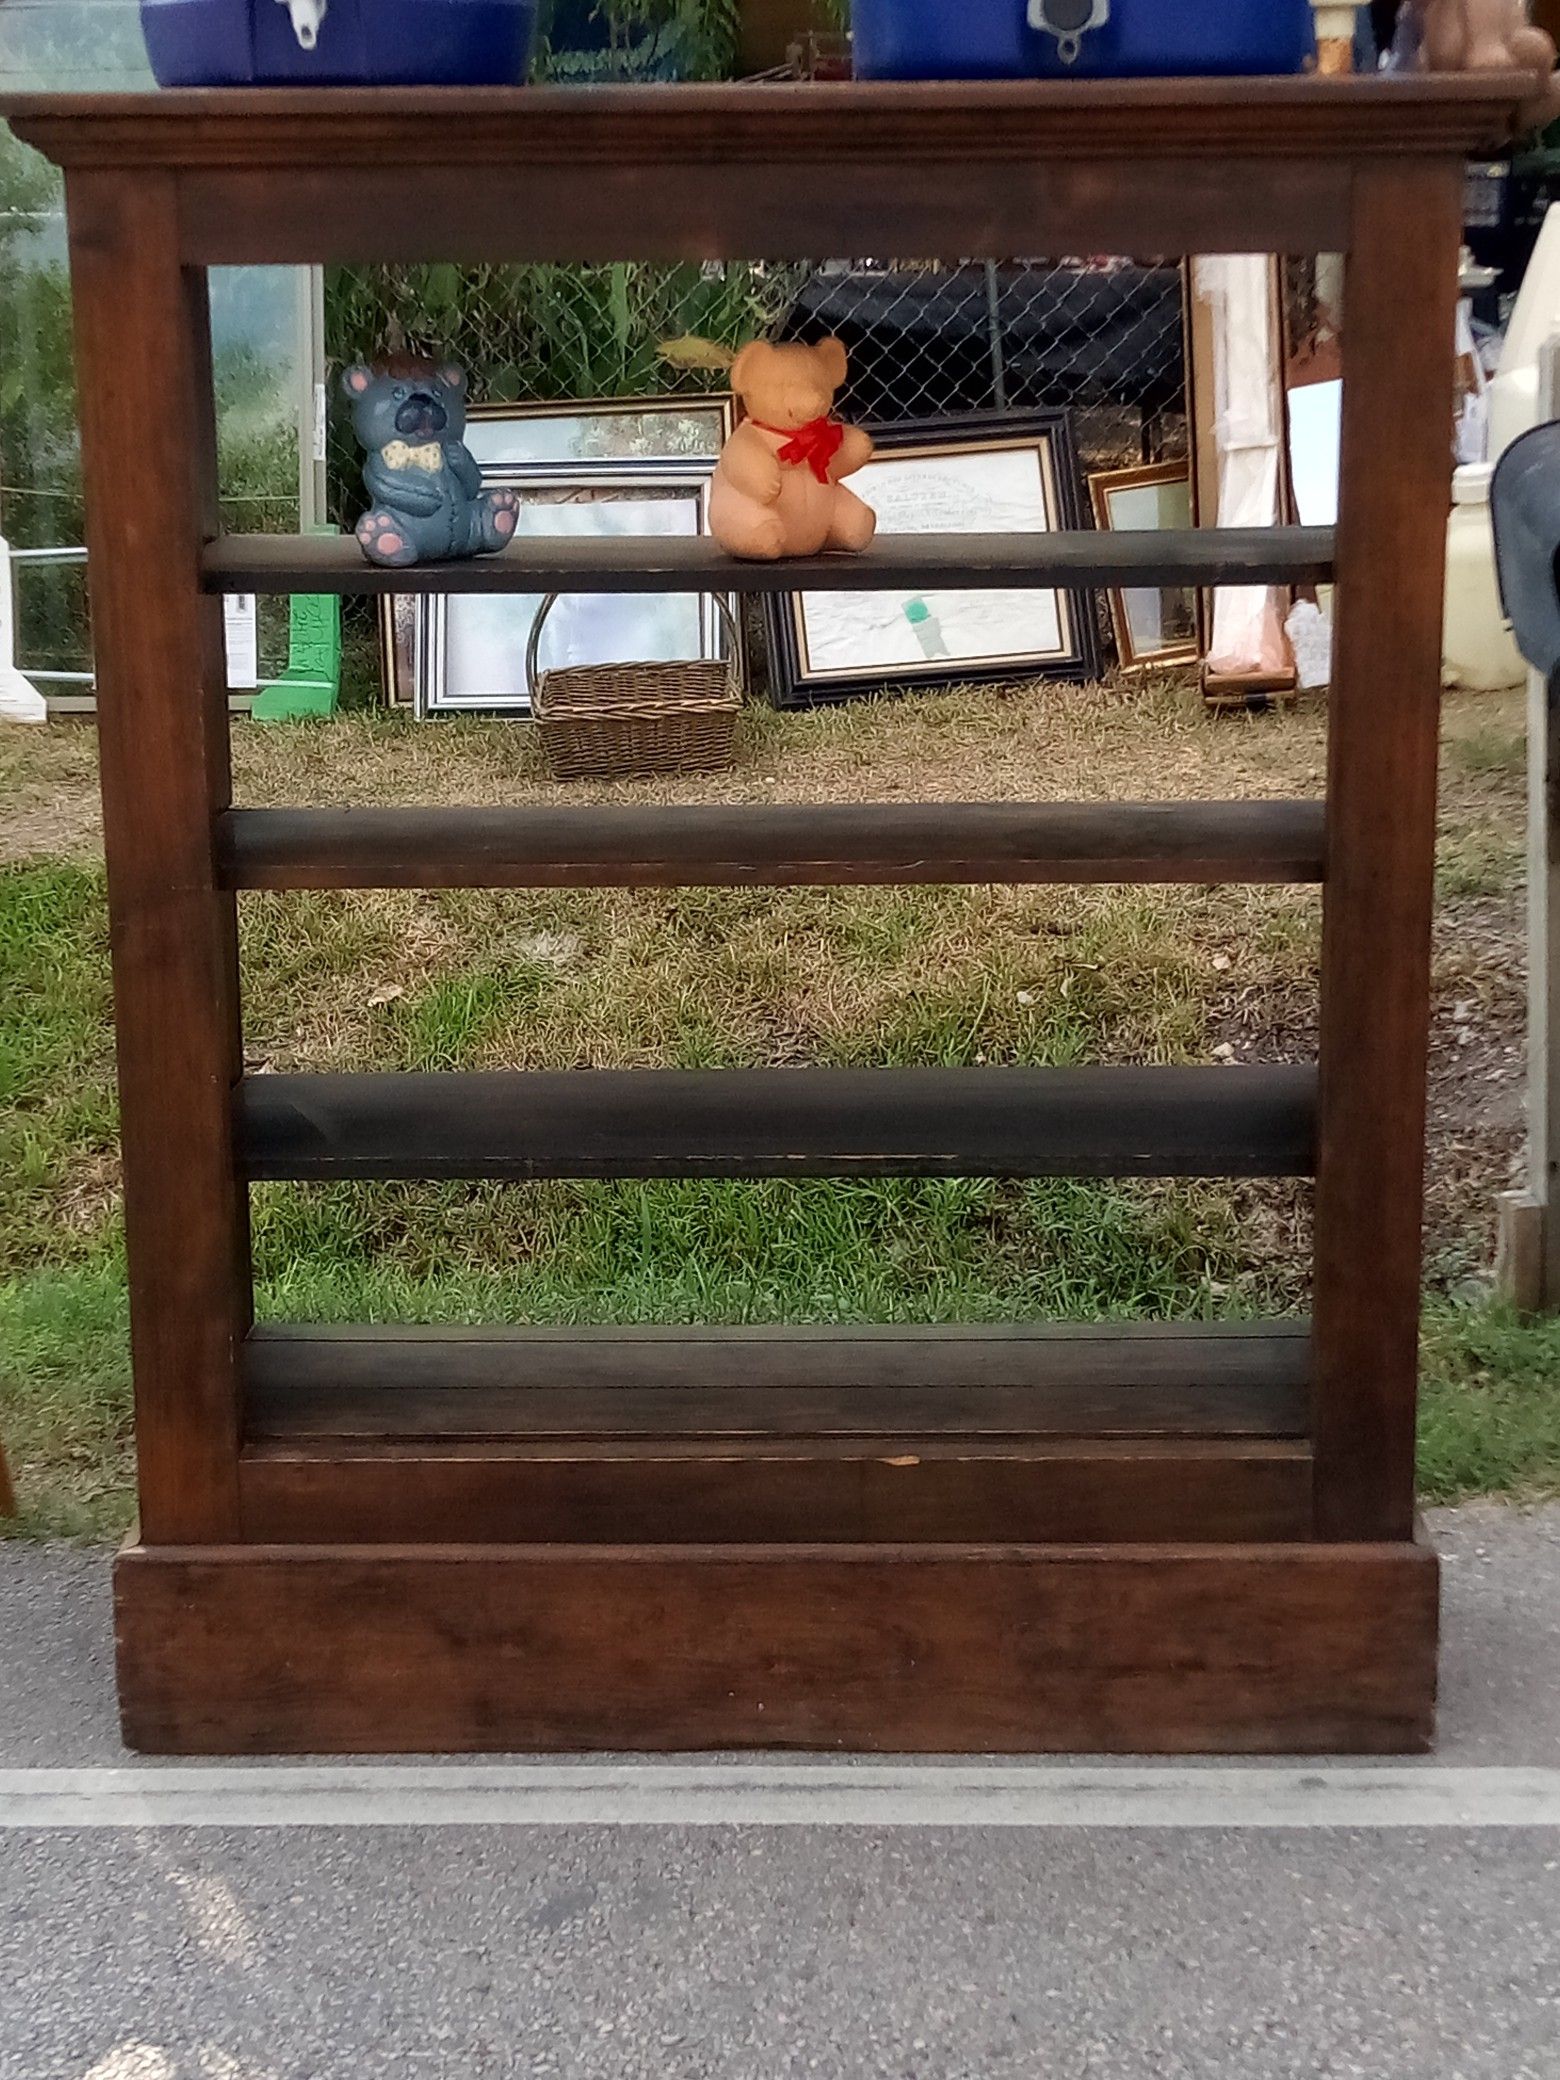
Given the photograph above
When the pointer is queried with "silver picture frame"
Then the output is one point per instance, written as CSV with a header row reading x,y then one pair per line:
x,y
616,434
628,465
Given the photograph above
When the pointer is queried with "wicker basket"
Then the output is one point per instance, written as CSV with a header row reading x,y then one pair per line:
x,y
610,721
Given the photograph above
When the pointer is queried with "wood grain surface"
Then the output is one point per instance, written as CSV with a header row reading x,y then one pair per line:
x,y
144,377
762,845
696,563
1144,1649
397,1382
1092,1122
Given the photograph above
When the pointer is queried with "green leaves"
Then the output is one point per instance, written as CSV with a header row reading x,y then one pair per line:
x,y
442,287
617,304
545,332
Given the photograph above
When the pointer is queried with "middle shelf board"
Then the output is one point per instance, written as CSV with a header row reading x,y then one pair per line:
x,y
761,844
800,1122
1200,557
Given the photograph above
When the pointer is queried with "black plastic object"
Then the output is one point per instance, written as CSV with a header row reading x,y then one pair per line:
x,y
1525,508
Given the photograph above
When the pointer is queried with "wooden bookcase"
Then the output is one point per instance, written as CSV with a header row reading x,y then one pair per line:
x,y
955,1539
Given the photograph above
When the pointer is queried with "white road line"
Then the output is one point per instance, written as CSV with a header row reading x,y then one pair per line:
x,y
779,1794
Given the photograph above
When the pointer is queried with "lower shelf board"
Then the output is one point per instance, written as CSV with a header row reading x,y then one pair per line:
x,y
1169,1649
303,1383
1020,1434
826,1490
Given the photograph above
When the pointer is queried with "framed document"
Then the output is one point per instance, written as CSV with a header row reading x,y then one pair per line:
x,y
986,473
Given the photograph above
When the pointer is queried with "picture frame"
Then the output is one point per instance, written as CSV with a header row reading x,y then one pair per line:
x,y
981,472
1313,429
621,434
465,653
611,446
1153,626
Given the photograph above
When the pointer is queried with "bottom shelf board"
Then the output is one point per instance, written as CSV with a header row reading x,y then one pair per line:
x,y
1023,1434
305,1383
834,1491
1169,1649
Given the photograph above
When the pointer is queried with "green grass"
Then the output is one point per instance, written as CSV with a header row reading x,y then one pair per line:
x,y
815,1251
447,1024
1490,1405
1482,862
1492,749
65,1399
57,1116
719,978
690,977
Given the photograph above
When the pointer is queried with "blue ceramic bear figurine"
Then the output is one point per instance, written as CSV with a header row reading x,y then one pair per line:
x,y
427,492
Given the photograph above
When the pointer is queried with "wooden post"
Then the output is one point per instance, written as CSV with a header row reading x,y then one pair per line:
x,y
143,366
1383,742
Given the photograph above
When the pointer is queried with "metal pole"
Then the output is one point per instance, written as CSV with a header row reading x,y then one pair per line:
x,y
994,324
310,361
20,700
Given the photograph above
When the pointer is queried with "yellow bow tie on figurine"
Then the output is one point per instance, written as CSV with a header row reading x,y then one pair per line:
x,y
399,455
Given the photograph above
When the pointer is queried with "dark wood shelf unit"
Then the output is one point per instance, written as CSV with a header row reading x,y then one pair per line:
x,y
928,1538
894,563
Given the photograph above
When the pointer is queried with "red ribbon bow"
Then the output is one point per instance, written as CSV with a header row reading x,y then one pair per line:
x,y
817,443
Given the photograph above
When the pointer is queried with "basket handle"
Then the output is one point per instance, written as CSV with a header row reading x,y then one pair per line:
x,y
533,648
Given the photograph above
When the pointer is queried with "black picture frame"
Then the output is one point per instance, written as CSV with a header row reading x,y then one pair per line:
x,y
798,680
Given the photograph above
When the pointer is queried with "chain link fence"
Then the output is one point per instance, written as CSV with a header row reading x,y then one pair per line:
x,y
1103,340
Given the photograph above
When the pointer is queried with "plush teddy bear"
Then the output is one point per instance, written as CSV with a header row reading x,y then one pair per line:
x,y
1480,36
427,492
777,489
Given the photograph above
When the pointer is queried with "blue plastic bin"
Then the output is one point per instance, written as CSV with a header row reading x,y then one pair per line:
x,y
995,39
374,43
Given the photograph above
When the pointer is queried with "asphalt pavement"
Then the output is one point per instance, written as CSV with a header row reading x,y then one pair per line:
x,y
423,1949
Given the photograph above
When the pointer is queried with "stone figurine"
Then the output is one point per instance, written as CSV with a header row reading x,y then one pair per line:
x,y
777,489
428,500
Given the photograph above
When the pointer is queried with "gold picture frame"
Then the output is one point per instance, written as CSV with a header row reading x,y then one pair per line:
x,y
1154,626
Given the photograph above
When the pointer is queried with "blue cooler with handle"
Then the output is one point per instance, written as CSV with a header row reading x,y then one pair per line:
x,y
1079,39
335,43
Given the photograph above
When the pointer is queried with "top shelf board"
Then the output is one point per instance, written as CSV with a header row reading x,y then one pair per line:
x,y
936,171
779,122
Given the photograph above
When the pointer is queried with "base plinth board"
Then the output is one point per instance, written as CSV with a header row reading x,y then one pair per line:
x,y
1257,1649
